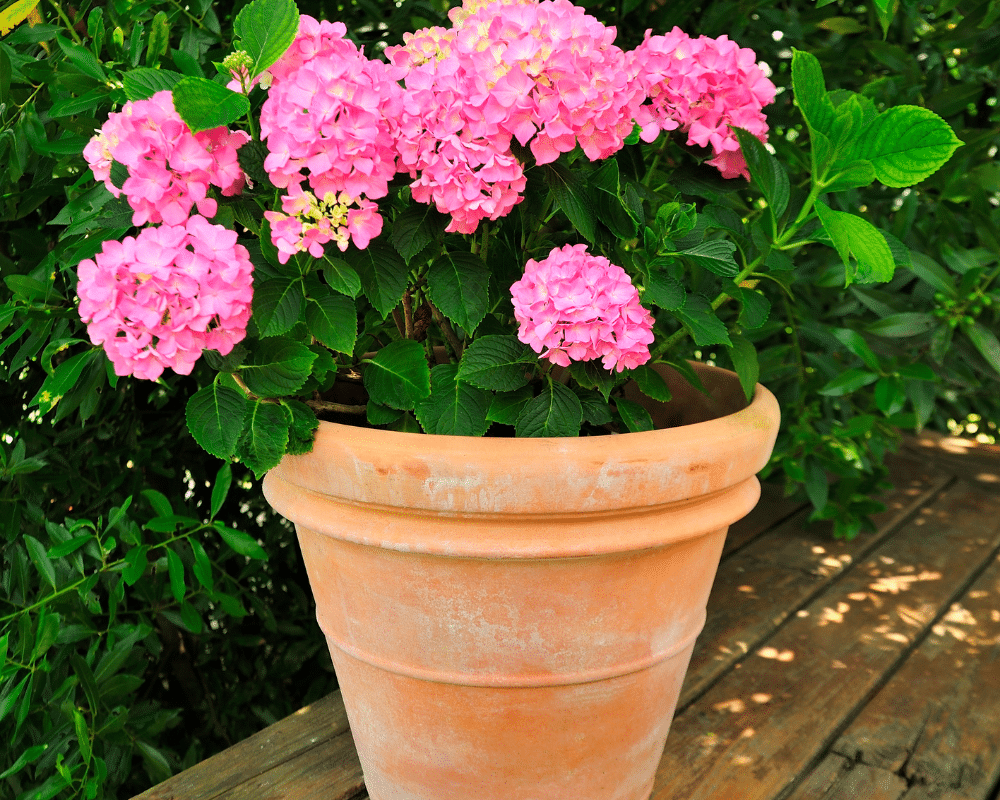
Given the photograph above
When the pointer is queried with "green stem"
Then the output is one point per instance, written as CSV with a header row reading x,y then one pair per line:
x,y
65,19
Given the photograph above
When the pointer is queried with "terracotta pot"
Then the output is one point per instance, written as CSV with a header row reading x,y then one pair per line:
x,y
511,619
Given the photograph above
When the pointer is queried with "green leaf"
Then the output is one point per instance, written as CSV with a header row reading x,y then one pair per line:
x,y
497,363
136,562
159,502
596,410
277,304
635,417
651,383
341,276
755,307
454,408
69,546
816,483
333,320
223,480
242,543
571,196
744,356
662,290
191,619
266,28
906,144
592,375
377,414
159,39
264,438
302,426
202,565
767,172
414,229
56,385
277,367
854,236
215,418
932,273
986,343
851,175
699,318
38,556
458,284
908,323
383,275
29,756
398,375
855,342
890,395
507,406
204,104
557,411
715,255
842,26
848,381
810,92
82,59
175,569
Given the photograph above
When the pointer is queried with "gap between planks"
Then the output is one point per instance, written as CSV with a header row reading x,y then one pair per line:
x,y
757,731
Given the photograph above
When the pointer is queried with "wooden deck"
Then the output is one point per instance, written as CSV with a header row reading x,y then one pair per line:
x,y
828,670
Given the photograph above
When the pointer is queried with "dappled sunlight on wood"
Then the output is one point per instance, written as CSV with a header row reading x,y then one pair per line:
x,y
777,655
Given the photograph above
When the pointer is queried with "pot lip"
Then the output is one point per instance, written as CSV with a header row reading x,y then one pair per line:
x,y
763,404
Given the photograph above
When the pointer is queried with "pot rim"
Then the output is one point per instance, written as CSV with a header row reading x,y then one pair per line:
x,y
463,475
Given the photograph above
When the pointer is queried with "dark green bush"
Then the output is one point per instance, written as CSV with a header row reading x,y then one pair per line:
x,y
153,610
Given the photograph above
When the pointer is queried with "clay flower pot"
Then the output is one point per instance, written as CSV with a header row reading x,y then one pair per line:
x,y
511,619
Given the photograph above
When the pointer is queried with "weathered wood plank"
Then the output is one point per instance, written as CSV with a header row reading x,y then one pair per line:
x,y
837,778
757,588
298,733
754,732
963,457
330,771
938,720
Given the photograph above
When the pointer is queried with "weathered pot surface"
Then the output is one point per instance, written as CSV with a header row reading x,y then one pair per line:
x,y
512,618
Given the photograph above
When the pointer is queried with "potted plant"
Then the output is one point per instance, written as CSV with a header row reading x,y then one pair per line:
x,y
472,261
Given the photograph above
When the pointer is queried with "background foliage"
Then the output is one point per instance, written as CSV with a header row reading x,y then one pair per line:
x,y
152,609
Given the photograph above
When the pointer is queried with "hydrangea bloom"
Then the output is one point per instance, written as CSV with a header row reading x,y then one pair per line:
x,y
545,73
308,223
158,299
328,121
573,306
170,168
703,86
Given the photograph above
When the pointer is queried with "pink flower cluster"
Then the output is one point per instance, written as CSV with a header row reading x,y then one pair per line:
x,y
703,86
573,306
170,168
545,73
328,120
158,299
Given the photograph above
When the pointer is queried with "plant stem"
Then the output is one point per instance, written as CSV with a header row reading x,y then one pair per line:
x,y
65,19
336,408
454,345
407,315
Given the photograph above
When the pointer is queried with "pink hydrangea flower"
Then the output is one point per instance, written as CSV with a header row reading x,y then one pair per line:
x,y
170,168
328,121
308,223
158,299
704,86
545,73
573,306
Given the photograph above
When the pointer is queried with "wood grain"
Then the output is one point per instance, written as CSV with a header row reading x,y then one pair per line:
x,y
837,778
760,586
754,732
936,721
